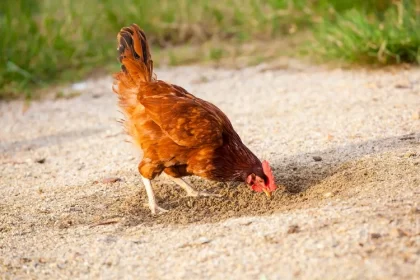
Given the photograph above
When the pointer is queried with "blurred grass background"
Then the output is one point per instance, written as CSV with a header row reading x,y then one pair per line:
x,y
52,41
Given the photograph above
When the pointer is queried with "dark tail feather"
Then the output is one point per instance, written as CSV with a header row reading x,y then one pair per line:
x,y
136,65
134,53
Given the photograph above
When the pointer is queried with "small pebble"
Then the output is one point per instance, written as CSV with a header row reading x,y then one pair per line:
x,y
397,232
328,194
293,229
111,180
403,84
375,235
317,158
41,160
415,210
409,155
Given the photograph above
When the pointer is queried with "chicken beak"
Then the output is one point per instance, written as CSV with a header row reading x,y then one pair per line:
x,y
267,193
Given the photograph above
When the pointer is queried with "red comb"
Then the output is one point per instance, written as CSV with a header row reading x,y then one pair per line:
x,y
267,171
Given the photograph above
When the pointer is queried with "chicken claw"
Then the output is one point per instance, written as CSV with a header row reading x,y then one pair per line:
x,y
190,190
156,210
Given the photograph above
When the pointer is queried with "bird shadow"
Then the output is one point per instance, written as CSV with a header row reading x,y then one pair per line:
x,y
299,172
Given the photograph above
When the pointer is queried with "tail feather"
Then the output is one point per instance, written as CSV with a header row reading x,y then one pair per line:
x,y
136,66
134,53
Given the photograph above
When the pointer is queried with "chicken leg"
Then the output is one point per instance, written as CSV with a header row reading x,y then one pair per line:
x,y
154,208
190,190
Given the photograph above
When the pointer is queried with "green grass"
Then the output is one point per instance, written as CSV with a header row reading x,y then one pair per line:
x,y
385,38
55,41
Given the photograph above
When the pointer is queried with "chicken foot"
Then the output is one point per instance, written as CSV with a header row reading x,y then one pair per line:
x,y
154,208
190,190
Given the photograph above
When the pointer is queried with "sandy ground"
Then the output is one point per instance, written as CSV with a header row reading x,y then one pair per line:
x,y
344,146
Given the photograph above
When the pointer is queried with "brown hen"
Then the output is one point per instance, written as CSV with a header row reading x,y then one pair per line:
x,y
180,134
